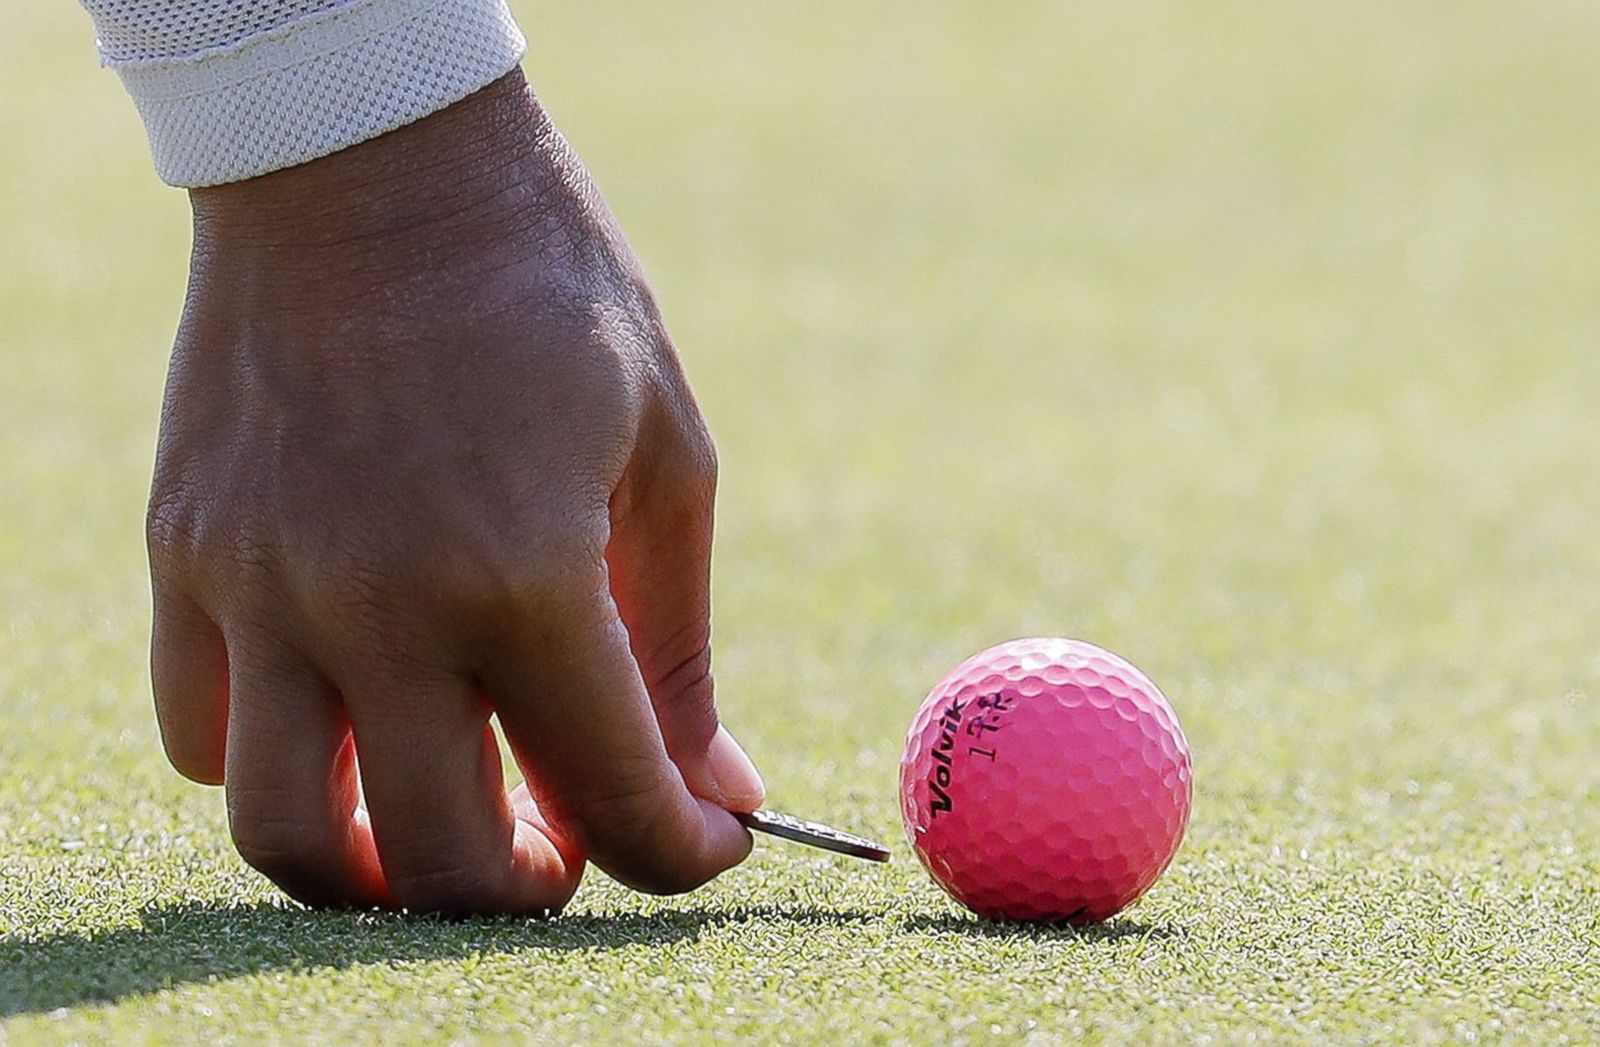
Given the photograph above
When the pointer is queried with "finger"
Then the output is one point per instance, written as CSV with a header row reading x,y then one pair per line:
x,y
660,562
449,839
293,802
189,674
575,711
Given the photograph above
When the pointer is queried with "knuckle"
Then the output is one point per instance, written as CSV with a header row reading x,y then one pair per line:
x,y
171,524
690,713
186,537
369,611
340,585
249,556
290,852
697,465
676,477
702,448
449,888
494,579
682,659
629,824
684,690
625,806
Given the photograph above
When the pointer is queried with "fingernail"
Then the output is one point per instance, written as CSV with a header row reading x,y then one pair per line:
x,y
737,781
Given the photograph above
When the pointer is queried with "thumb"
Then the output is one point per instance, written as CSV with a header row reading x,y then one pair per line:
x,y
659,558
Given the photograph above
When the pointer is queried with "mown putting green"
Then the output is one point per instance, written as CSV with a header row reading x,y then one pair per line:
x,y
1258,345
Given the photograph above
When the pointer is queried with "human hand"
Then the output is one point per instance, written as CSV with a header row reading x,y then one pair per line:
x,y
427,455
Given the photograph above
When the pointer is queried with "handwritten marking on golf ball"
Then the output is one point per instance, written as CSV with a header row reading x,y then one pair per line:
x,y
990,716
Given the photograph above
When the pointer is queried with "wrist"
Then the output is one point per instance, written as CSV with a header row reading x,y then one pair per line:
x,y
464,174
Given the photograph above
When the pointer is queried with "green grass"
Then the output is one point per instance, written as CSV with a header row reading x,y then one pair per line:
x,y
1259,344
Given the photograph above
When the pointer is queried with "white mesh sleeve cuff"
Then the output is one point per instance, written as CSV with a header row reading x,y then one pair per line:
x,y
315,85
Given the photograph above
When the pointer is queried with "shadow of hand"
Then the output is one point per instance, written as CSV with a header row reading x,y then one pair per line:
x,y
180,944
195,942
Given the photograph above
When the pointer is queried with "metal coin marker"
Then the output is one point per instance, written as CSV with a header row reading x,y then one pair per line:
x,y
813,834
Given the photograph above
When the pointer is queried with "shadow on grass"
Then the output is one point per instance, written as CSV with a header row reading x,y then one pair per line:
x,y
1112,930
183,944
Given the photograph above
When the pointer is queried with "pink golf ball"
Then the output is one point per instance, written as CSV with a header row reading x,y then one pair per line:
x,y
1045,779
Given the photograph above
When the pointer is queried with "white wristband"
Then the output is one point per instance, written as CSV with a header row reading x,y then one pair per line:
x,y
314,85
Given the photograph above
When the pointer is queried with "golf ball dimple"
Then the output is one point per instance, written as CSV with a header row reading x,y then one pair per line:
x,y
1045,779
